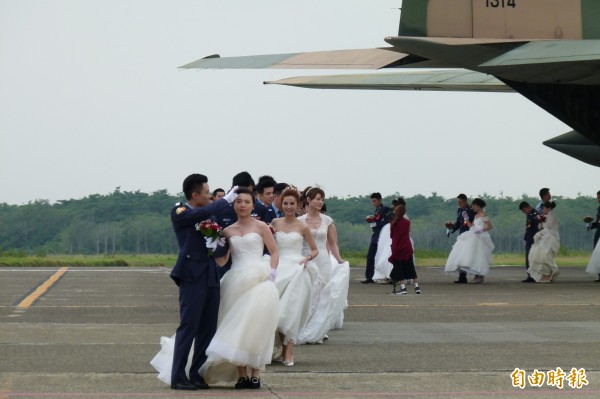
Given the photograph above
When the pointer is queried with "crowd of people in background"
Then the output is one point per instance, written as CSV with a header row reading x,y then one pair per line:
x,y
259,271
471,253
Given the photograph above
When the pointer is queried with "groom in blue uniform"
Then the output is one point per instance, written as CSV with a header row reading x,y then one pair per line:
x,y
195,273
531,228
383,215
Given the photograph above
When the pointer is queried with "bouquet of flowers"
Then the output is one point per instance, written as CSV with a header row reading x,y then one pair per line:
x,y
212,234
449,226
371,220
588,222
542,219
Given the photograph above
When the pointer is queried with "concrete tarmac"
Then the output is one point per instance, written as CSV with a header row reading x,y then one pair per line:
x,y
91,332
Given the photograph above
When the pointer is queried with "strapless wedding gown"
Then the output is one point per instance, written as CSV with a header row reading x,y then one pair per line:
x,y
472,252
295,285
248,316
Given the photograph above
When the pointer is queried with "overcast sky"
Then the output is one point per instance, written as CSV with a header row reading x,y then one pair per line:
x,y
91,98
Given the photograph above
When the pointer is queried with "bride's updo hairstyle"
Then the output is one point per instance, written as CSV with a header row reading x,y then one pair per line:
x,y
291,192
550,204
245,190
479,202
311,192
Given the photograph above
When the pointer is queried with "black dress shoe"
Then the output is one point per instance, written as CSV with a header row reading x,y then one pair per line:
x,y
529,279
242,383
184,386
367,281
199,383
461,281
597,281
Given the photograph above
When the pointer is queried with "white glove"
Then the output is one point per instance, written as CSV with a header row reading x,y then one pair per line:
x,y
272,275
465,216
448,232
231,195
588,226
211,243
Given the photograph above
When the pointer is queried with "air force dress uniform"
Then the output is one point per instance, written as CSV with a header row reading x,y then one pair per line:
x,y
532,227
196,275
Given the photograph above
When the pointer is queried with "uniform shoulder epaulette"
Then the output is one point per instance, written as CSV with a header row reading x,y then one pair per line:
x,y
180,208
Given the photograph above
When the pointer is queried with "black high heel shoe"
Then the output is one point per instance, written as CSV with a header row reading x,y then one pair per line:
x,y
254,383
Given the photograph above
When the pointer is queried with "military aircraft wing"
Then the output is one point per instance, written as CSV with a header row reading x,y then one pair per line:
x,y
439,80
536,61
547,51
373,58
577,146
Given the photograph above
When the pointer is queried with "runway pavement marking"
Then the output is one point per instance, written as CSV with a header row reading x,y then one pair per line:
x,y
41,289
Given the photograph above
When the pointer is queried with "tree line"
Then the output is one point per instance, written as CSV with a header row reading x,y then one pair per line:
x,y
139,223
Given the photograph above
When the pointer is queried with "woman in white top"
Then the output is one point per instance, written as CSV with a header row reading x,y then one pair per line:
x,y
331,289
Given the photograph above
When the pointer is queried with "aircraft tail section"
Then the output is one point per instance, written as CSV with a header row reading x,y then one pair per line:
x,y
501,19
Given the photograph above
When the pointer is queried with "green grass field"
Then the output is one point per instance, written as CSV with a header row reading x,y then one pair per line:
x,y
423,258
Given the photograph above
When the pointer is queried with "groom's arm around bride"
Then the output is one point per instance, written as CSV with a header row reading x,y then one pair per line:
x,y
196,276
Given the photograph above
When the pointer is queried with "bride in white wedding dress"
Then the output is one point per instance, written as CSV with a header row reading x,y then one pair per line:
x,y
542,264
472,252
327,309
296,274
249,307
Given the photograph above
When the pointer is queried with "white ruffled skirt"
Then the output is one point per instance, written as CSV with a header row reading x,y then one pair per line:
x,y
472,253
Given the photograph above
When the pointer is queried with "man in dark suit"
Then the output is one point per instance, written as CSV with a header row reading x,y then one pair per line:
x,y
545,196
596,225
226,217
265,189
383,215
531,228
275,206
463,213
195,273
